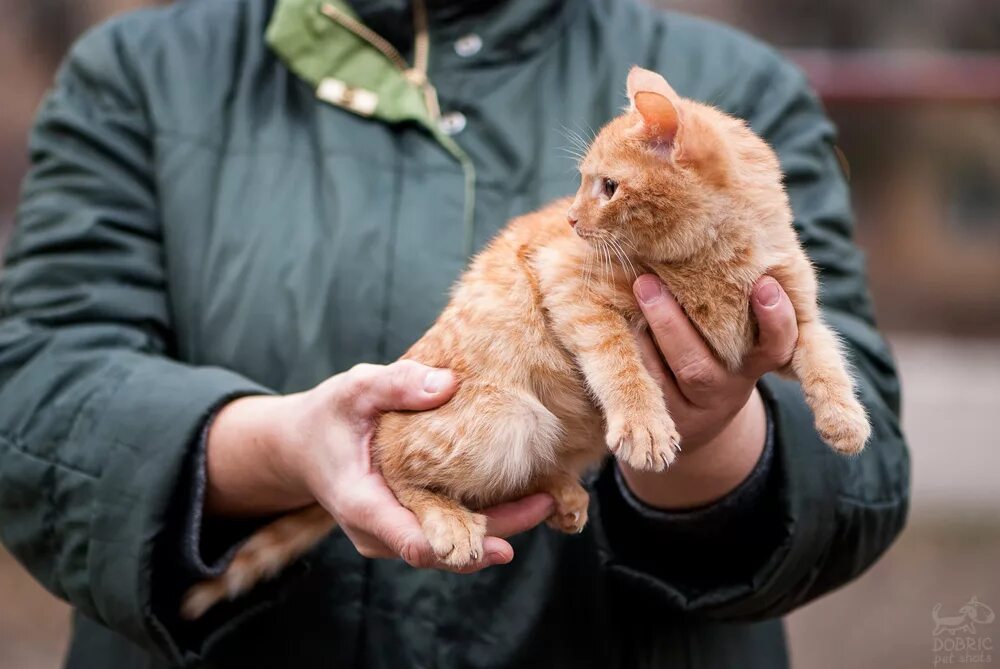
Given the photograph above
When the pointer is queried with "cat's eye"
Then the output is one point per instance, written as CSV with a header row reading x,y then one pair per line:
x,y
610,186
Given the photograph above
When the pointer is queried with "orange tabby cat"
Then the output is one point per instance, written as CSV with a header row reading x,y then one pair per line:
x,y
539,333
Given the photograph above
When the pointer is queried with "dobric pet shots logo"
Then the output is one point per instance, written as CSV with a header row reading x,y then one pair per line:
x,y
962,638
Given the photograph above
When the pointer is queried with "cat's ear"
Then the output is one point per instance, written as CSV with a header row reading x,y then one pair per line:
x,y
640,80
656,102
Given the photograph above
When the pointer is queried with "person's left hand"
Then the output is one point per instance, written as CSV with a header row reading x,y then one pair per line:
x,y
718,413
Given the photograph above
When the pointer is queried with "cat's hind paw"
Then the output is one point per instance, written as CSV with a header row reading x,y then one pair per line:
x,y
843,426
572,501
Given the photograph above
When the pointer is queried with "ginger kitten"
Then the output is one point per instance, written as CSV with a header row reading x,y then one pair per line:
x,y
539,332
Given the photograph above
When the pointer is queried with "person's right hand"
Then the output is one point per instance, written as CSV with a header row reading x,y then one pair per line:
x,y
273,454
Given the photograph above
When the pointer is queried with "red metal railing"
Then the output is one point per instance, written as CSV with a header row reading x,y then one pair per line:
x,y
901,76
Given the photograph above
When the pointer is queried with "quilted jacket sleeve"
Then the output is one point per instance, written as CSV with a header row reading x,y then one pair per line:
x,y
827,517
96,420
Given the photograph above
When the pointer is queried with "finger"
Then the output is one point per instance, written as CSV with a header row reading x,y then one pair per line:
x,y
651,358
653,361
378,515
368,545
403,385
778,329
372,516
687,355
505,520
496,551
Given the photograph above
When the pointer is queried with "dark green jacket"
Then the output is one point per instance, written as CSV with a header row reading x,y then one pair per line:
x,y
199,224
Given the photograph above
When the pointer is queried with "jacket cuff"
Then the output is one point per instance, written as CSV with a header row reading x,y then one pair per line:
x,y
747,565
207,544
690,552
159,409
712,518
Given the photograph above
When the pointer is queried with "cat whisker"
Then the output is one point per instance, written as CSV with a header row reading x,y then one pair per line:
x,y
600,255
577,155
635,272
570,152
623,258
610,267
590,270
629,244
575,138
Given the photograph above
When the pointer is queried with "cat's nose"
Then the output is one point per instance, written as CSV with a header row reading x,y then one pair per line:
x,y
571,221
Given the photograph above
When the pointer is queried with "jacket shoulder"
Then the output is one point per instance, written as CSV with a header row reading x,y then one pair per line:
x,y
198,50
703,59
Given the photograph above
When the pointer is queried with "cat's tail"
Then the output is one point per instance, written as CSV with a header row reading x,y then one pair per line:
x,y
268,551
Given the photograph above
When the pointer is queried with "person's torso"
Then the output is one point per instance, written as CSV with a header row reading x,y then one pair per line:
x,y
301,238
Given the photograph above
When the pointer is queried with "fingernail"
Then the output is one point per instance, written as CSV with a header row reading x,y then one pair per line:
x,y
768,294
436,381
496,558
650,289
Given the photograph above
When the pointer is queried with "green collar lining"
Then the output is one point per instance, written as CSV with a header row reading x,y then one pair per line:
x,y
346,71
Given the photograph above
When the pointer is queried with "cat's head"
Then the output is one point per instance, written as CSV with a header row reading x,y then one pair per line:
x,y
669,175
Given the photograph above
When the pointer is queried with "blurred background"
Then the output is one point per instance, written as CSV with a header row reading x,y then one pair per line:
x,y
914,86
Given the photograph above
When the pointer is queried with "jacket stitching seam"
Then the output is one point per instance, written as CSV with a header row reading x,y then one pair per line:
x,y
871,505
22,449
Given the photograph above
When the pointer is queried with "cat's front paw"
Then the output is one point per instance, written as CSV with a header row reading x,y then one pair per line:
x,y
843,425
645,442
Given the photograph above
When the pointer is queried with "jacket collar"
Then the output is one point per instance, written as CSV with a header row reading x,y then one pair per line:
x,y
510,30
393,18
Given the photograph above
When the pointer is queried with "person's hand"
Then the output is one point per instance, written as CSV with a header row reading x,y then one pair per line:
x,y
269,454
719,414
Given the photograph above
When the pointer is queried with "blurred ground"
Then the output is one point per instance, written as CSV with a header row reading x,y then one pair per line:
x,y
949,553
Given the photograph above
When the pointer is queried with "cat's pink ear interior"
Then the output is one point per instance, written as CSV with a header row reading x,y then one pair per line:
x,y
659,117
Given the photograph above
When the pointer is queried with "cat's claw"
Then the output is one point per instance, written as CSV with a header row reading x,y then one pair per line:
x,y
649,445
456,538
570,516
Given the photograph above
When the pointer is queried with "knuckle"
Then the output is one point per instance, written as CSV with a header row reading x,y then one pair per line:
x,y
412,555
698,374
356,384
367,551
660,319
401,376
359,515
360,378
780,352
785,355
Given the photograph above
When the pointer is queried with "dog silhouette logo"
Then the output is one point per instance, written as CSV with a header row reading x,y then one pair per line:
x,y
972,613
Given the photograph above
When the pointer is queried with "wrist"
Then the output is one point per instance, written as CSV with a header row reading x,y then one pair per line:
x,y
705,474
250,463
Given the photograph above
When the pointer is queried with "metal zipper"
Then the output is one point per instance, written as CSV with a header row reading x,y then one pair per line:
x,y
417,75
